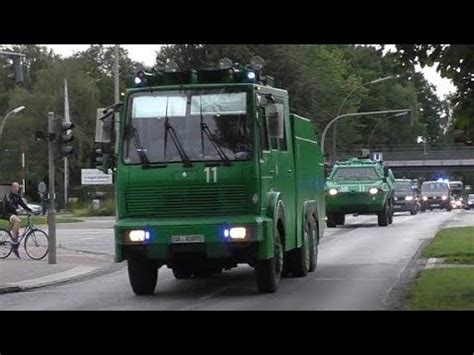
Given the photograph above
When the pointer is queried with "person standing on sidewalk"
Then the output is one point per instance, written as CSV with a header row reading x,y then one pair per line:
x,y
11,202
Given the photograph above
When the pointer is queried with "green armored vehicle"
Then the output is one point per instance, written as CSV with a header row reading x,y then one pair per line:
x,y
359,186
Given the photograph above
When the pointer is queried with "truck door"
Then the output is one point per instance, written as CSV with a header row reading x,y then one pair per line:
x,y
278,162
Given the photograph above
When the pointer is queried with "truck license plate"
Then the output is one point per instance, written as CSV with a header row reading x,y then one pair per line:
x,y
435,205
187,239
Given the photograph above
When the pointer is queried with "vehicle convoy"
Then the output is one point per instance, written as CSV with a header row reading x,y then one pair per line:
x,y
213,170
435,194
406,196
359,186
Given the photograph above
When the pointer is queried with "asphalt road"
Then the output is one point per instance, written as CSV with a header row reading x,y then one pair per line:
x,y
359,265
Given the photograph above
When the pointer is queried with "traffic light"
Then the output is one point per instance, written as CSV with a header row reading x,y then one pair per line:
x,y
64,138
102,160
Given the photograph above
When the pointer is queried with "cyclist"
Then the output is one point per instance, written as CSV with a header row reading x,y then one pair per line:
x,y
11,202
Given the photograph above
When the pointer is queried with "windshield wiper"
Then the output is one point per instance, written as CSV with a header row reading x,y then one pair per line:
x,y
168,127
222,155
184,157
138,144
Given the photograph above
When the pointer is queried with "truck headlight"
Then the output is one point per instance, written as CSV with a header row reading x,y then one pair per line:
x,y
332,192
138,235
373,190
409,198
444,198
238,233
425,198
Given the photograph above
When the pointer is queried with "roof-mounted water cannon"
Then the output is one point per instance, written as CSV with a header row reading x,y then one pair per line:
x,y
226,72
171,67
142,78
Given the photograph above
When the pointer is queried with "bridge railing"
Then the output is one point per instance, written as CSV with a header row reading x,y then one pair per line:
x,y
416,152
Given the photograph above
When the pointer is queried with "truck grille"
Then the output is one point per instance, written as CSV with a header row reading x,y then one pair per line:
x,y
182,201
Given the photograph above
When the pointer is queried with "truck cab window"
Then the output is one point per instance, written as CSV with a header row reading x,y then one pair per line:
x,y
276,125
264,144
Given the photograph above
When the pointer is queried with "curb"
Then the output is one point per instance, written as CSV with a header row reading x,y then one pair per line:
x,y
78,273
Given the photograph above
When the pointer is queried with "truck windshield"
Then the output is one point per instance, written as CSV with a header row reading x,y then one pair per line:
x,y
434,186
355,174
403,186
224,112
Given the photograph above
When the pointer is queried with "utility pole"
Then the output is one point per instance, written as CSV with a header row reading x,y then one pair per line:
x,y
52,197
116,92
66,161
23,170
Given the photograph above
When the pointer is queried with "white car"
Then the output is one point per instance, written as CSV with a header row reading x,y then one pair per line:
x,y
34,207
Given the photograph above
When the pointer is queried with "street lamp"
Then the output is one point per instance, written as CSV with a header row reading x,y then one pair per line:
x,y
381,121
344,101
337,118
12,112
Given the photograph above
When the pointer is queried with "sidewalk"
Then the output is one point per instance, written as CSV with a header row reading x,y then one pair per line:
x,y
24,274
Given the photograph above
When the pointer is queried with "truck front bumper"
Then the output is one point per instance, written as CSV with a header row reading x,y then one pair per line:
x,y
210,237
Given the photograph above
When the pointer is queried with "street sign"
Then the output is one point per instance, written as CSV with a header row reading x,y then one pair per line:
x,y
377,156
95,177
42,187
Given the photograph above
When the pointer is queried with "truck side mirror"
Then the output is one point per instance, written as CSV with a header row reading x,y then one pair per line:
x,y
386,171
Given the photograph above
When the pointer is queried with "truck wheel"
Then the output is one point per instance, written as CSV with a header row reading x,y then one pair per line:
x,y
422,209
413,212
449,208
390,216
301,257
182,272
340,219
143,275
313,261
382,217
268,271
331,222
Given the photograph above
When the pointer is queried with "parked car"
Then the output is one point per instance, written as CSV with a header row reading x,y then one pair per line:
x,y
34,207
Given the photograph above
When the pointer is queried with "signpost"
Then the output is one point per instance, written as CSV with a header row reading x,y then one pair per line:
x,y
95,177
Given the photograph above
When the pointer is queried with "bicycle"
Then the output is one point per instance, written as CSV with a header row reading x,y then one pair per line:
x,y
36,241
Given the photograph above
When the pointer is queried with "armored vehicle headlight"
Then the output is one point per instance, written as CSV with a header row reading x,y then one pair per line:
x,y
373,190
138,235
444,198
425,198
409,198
332,192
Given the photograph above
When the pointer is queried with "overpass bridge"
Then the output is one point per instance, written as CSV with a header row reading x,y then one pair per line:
x,y
420,159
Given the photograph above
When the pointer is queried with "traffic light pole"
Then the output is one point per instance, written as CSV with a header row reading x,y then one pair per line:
x,y
51,209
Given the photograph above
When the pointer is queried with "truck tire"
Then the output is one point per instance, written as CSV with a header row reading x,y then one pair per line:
x,y
413,212
301,257
331,222
449,208
314,247
340,219
390,216
382,217
268,271
143,275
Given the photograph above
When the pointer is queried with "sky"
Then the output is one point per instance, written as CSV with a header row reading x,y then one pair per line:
x,y
145,53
